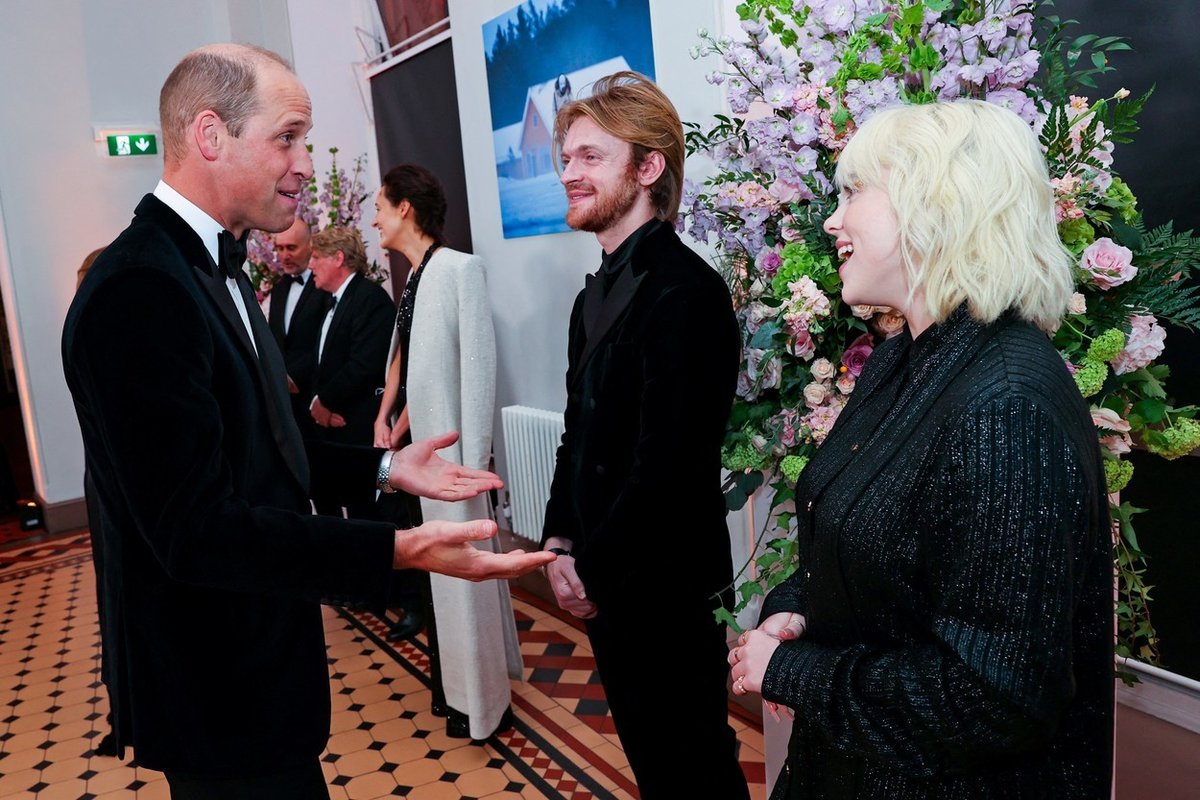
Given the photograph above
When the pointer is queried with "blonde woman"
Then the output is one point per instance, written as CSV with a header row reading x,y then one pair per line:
x,y
948,633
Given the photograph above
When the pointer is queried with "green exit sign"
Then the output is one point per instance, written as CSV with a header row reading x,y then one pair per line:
x,y
133,144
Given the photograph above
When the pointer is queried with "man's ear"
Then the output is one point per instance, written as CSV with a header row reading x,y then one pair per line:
x,y
207,132
651,169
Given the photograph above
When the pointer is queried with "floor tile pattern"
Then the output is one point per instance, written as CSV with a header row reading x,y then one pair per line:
x,y
384,742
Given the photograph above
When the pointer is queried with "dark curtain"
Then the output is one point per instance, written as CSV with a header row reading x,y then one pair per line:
x,y
416,121
1162,169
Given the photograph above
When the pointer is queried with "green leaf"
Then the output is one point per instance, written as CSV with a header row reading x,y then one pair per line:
x,y
724,617
750,589
1152,410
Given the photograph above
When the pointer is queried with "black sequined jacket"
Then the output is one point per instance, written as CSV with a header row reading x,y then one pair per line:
x,y
956,577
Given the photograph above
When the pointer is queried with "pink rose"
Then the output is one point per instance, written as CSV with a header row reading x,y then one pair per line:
x,y
1077,304
857,353
1118,444
1145,343
1108,263
803,345
845,383
1109,420
863,312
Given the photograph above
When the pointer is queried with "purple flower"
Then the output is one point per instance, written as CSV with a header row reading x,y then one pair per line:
x,y
838,15
857,353
1015,101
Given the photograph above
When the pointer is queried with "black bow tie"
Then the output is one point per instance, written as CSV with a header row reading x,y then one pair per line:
x,y
232,252
295,278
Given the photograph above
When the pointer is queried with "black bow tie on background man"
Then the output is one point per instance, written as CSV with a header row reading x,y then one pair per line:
x,y
295,278
232,253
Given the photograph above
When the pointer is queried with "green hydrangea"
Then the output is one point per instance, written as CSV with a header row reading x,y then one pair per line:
x,y
792,466
1090,376
742,457
1180,439
1117,474
798,261
1107,346
1076,234
1121,199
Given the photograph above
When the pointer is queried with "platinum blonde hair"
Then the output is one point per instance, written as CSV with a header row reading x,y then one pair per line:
x,y
969,185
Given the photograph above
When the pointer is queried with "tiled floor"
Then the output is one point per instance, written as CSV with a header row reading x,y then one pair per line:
x,y
384,740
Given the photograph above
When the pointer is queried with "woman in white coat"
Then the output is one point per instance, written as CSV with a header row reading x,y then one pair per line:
x,y
441,375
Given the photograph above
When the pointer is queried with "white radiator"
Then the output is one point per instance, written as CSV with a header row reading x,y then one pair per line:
x,y
531,438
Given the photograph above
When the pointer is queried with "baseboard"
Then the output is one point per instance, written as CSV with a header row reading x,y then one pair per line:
x,y
68,515
1170,697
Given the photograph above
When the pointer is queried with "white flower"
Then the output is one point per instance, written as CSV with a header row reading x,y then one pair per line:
x,y
823,369
815,394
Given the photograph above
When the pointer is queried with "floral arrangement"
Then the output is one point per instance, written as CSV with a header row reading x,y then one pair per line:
x,y
803,77
337,200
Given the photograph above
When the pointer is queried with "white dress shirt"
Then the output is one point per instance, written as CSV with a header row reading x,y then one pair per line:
x,y
293,298
208,229
337,298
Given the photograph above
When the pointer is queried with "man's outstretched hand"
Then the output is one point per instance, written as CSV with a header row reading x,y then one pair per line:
x,y
419,470
445,547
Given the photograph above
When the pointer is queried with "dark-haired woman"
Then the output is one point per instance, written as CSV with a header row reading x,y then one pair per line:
x,y
441,376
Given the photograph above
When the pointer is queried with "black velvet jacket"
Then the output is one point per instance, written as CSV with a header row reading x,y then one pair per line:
x,y
213,565
956,577
637,484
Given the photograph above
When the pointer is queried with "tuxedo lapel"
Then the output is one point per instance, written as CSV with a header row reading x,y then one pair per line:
x,y
211,279
279,297
306,297
614,307
272,373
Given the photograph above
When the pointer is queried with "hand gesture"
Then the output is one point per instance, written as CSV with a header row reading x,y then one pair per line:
x,y
418,470
445,548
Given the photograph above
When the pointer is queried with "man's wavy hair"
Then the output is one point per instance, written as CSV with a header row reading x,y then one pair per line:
x,y
346,241
629,106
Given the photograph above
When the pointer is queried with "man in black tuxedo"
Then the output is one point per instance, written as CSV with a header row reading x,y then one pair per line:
x,y
297,309
636,514
350,351
214,568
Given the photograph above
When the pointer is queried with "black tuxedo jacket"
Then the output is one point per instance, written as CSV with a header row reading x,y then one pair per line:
x,y
213,566
637,484
351,369
299,344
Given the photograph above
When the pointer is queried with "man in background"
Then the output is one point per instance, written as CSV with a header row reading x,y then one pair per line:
x,y
296,311
213,566
636,514
350,352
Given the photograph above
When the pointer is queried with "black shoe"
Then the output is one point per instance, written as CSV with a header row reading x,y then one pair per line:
x,y
458,725
408,626
440,709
